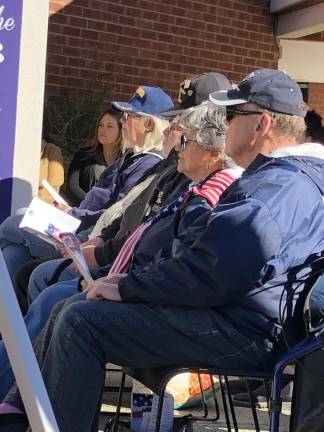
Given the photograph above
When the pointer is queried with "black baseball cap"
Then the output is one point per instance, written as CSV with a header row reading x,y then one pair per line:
x,y
272,89
194,91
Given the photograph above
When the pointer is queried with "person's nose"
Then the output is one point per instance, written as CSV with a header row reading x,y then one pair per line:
x,y
177,145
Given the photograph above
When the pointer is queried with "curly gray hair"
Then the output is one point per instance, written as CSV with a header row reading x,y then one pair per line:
x,y
208,120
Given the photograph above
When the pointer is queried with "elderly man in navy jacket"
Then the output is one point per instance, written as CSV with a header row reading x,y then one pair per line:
x,y
231,285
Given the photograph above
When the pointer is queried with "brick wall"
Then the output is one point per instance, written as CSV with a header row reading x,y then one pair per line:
x,y
316,98
124,43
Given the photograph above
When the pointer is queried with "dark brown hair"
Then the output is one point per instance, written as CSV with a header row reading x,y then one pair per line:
x,y
97,148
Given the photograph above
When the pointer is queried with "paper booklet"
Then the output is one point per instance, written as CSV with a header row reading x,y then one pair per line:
x,y
56,197
48,222
72,247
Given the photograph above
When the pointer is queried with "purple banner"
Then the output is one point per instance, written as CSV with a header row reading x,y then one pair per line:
x,y
10,29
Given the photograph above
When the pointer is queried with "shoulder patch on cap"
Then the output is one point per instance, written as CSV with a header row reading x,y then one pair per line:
x,y
140,91
186,83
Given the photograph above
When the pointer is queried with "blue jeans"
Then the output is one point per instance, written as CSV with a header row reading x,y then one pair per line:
x,y
88,334
35,320
20,246
15,256
39,278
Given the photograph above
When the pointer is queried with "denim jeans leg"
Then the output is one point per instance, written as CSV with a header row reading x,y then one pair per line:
x,y
40,347
35,320
15,256
10,231
43,273
37,247
89,334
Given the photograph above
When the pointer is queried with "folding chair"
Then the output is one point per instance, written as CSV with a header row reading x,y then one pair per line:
x,y
304,355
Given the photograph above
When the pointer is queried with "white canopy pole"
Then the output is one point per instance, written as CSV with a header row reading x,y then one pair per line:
x,y
22,358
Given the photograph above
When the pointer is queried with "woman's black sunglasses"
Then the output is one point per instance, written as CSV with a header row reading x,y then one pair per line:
x,y
184,140
232,112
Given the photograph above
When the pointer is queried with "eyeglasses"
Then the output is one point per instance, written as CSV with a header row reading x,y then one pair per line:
x,y
232,112
183,142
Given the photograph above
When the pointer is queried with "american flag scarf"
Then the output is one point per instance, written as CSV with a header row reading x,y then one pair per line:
x,y
211,188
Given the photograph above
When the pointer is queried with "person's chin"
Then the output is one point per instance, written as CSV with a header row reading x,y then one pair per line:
x,y
179,168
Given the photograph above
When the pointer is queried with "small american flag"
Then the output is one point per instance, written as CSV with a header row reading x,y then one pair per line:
x,y
141,403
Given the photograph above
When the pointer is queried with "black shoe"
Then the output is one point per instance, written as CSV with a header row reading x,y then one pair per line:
x,y
259,398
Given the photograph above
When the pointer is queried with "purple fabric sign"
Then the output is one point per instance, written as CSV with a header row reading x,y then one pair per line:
x,y
10,29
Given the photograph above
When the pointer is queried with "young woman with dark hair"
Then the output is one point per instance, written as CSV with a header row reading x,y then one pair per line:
x,y
89,162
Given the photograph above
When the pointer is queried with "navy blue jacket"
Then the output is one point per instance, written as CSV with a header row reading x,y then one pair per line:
x,y
238,258
115,183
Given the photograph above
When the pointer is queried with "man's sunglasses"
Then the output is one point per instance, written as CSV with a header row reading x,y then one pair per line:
x,y
232,112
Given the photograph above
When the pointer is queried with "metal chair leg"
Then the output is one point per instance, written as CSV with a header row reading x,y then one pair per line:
x,y
267,390
119,402
215,400
230,400
203,398
253,409
222,389
159,410
205,406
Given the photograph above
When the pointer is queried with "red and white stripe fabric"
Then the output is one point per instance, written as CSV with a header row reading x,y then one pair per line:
x,y
123,259
211,190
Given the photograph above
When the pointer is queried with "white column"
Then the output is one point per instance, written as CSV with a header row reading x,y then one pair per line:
x,y
22,358
303,60
30,100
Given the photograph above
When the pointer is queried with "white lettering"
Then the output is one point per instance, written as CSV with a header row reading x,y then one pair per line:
x,y
6,24
1,55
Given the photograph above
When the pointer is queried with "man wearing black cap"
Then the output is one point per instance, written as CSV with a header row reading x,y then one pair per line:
x,y
194,91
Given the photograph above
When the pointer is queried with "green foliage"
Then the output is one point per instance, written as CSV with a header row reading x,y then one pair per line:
x,y
70,119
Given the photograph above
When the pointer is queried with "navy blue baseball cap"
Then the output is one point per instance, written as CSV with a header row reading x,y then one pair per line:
x,y
148,100
272,89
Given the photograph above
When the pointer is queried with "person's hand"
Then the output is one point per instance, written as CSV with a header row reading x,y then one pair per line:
x,y
61,249
85,286
114,278
93,242
101,289
65,208
89,255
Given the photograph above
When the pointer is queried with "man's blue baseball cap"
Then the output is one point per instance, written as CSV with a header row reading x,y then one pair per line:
x,y
148,100
272,89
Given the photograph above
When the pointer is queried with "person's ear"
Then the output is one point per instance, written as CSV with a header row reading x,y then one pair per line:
x,y
149,124
264,124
